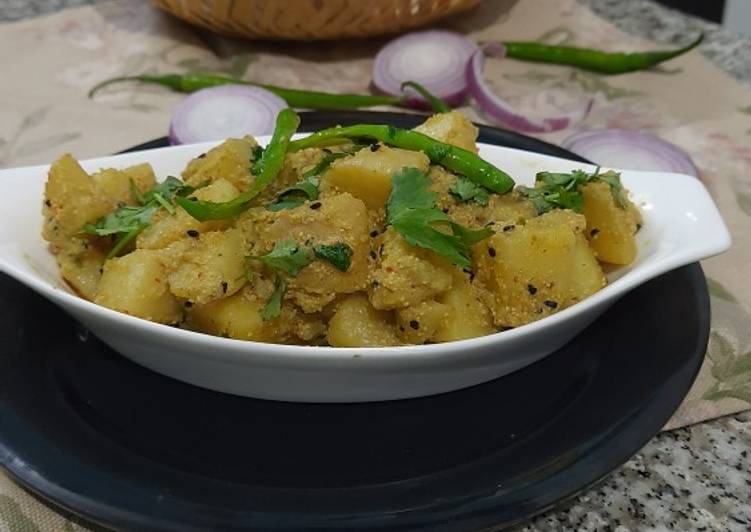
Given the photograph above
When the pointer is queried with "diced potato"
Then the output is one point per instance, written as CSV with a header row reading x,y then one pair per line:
x,y
451,128
467,316
422,322
116,184
231,160
337,219
407,275
537,268
367,174
136,284
357,324
81,259
610,229
72,200
206,268
167,228
239,316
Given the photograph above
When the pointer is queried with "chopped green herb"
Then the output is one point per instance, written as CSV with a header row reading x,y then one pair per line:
x,y
562,191
296,195
613,179
412,212
273,306
339,255
465,190
287,256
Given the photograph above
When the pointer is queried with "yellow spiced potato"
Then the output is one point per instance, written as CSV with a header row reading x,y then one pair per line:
x,y
362,236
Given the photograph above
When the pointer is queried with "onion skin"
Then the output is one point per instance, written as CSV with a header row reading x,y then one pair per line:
x,y
499,109
628,144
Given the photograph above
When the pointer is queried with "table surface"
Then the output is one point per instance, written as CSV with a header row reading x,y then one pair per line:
x,y
693,478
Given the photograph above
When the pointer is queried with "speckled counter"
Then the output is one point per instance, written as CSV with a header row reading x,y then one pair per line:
x,y
694,478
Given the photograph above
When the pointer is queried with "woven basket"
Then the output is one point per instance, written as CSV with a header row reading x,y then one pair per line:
x,y
311,19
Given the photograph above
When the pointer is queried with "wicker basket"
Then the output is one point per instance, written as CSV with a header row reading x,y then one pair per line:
x,y
311,19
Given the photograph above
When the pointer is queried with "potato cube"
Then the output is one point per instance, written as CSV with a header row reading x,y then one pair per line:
x,y
466,315
208,267
72,200
367,174
136,284
407,275
167,228
81,259
538,268
357,324
610,228
451,128
231,160
421,322
116,184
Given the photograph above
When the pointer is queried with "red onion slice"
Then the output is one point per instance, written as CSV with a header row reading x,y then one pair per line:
x,y
630,150
501,110
224,111
436,59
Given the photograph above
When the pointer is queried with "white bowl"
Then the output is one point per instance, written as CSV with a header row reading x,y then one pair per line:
x,y
681,226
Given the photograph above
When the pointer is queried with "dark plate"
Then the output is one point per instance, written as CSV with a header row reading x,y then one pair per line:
x,y
127,447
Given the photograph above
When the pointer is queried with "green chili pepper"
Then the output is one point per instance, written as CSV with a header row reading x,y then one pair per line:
x,y
293,97
594,60
455,159
271,163
438,105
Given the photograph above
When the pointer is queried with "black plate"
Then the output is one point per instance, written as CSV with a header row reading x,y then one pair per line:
x,y
126,447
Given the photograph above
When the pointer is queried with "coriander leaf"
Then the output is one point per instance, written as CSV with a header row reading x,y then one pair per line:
x,y
287,256
167,189
466,190
562,191
325,163
134,191
339,255
536,196
124,220
613,179
296,195
412,213
273,306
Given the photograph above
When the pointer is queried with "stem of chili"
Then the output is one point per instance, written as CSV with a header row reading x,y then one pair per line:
x,y
593,60
270,164
455,159
293,97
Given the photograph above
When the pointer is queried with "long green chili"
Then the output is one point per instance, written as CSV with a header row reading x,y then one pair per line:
x,y
593,60
438,105
293,97
269,166
456,159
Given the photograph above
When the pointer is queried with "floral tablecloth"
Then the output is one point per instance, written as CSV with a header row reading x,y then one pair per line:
x,y
51,62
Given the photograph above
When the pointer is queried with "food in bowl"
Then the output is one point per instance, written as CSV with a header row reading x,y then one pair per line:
x,y
360,236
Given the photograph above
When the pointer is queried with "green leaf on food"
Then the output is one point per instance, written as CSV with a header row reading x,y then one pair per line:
x,y
273,307
296,195
288,256
562,191
465,190
339,255
412,212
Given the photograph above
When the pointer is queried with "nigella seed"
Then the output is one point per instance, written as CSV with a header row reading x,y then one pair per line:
x,y
202,156
532,289
373,255
193,199
380,250
315,205
188,304
375,147
593,233
192,233
638,226
328,151
445,210
401,329
48,203
101,270
373,233
491,252
224,287
414,324
550,303
508,228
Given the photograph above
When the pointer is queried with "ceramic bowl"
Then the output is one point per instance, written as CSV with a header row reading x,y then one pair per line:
x,y
681,226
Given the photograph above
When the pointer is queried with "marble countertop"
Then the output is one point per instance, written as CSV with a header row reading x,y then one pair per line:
x,y
694,478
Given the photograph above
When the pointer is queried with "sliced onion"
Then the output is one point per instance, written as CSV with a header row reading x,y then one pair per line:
x,y
224,111
502,111
436,59
630,150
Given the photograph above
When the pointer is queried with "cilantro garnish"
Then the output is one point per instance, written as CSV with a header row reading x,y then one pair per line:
x,y
561,191
412,212
307,188
339,255
127,221
273,306
465,190
287,256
